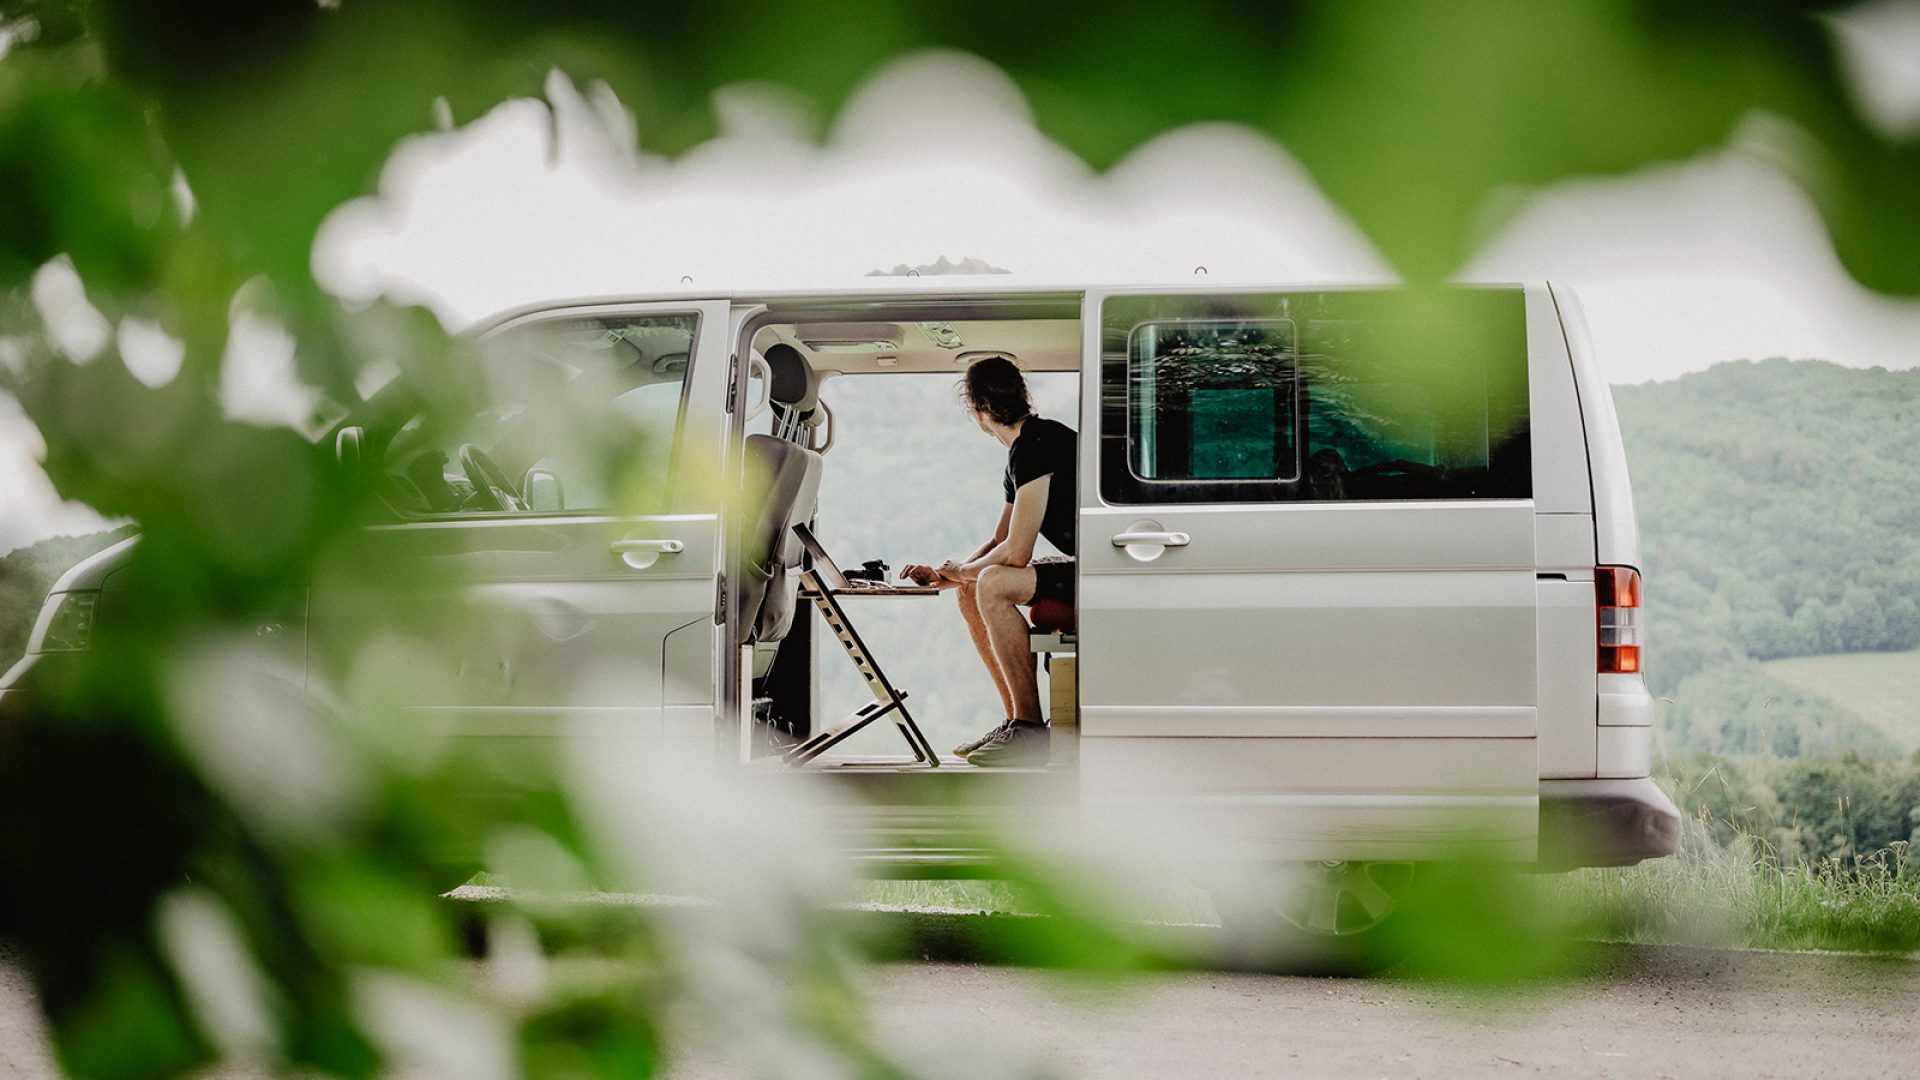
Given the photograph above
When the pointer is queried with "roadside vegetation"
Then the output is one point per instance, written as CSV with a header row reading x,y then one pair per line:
x,y
1810,853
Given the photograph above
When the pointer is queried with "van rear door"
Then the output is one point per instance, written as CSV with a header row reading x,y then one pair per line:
x,y
1307,573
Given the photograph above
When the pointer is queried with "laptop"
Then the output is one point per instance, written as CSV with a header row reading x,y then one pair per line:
x,y
836,581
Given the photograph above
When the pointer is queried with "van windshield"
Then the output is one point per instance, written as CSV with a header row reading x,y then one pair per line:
x,y
574,415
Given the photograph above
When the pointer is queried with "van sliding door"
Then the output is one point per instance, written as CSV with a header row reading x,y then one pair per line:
x,y
1307,624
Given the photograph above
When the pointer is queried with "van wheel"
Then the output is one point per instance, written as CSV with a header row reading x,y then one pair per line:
x,y
1332,917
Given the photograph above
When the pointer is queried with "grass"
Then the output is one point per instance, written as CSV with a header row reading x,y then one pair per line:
x,y
1881,688
1740,895
1707,894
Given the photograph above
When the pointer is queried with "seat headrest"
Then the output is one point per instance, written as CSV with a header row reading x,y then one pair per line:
x,y
795,385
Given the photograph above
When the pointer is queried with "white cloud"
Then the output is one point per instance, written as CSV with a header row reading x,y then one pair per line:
x,y
1685,265
935,155
1682,265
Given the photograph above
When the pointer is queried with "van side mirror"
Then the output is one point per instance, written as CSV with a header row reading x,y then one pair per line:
x,y
542,491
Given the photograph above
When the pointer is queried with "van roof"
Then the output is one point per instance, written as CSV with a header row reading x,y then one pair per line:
x,y
1047,300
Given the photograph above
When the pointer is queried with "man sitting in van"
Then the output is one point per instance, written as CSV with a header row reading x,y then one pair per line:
x,y
1002,574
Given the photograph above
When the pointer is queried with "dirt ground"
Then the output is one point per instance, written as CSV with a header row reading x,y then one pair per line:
x,y
1631,1011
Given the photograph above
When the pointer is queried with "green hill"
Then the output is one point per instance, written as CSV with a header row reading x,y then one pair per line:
x,y
1881,688
1780,517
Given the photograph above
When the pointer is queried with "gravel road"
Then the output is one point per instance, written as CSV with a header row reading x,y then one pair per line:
x,y
1631,1011
1634,1012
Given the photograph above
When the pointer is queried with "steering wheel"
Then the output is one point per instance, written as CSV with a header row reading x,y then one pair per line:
x,y
491,488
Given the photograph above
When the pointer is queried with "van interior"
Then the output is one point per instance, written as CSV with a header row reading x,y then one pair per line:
x,y
864,442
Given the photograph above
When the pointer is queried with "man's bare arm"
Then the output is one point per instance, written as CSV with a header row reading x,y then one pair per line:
x,y
927,575
1019,531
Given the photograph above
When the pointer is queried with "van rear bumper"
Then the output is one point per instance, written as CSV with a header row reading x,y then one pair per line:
x,y
1605,822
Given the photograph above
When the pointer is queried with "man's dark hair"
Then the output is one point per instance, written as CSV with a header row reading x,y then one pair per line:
x,y
994,386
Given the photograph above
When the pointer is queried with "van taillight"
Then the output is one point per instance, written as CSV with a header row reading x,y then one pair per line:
x,y
1618,588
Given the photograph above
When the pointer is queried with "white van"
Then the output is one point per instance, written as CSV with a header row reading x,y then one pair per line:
x,y
1357,577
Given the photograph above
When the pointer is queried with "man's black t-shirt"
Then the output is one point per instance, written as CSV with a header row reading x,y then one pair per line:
x,y
1047,448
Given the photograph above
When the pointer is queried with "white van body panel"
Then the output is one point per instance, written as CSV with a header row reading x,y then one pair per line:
x,y
1622,701
1312,680
1563,547
1616,528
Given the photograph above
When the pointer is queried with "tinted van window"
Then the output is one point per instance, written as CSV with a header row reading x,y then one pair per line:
x,y
1322,396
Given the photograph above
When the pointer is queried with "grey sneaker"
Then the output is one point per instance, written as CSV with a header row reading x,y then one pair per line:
x,y
971,745
1021,742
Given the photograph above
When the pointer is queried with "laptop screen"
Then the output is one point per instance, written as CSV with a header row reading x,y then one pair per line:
x,y
823,564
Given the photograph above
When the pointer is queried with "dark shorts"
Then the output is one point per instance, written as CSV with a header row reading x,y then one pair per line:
x,y
1053,579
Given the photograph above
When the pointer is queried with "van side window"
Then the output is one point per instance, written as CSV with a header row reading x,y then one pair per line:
x,y
1327,396
576,415
1211,403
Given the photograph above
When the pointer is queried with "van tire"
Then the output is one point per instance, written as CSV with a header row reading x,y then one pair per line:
x,y
1333,917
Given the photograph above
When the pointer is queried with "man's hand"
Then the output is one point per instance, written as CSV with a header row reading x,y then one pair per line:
x,y
919,574
952,570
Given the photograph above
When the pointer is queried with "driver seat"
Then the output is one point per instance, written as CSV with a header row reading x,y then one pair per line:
x,y
781,488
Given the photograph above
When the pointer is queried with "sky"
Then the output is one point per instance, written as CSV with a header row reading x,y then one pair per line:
x,y
1681,265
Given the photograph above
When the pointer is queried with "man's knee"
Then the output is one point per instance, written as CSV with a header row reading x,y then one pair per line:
x,y
1002,585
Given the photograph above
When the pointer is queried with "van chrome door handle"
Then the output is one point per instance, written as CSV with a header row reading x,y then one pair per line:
x,y
1157,539
640,553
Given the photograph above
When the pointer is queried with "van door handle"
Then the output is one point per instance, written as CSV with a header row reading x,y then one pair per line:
x,y
641,553
1146,545
1157,539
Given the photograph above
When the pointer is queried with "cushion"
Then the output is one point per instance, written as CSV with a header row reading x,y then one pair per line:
x,y
1053,616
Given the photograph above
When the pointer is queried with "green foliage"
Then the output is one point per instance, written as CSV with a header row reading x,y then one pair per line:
x,y
1803,811
1410,114
1709,894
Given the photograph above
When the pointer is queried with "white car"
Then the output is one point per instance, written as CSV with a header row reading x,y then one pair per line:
x,y
1357,581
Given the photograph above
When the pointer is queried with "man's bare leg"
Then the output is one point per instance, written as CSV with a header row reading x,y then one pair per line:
x,y
1001,590
977,629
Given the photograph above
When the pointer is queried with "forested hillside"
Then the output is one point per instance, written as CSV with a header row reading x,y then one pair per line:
x,y
1780,516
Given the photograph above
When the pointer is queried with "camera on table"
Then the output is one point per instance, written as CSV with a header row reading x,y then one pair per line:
x,y
872,570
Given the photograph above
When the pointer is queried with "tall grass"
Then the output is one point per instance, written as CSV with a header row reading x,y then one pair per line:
x,y
1744,894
